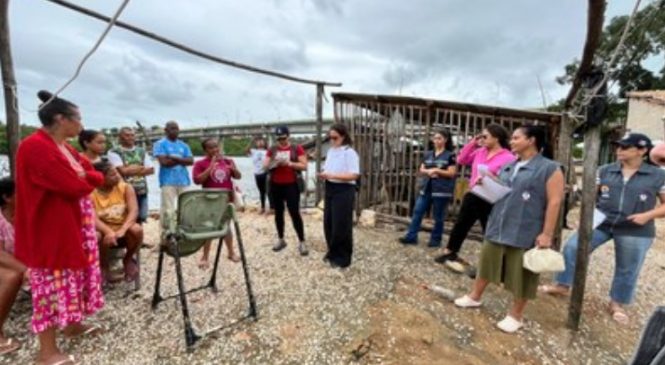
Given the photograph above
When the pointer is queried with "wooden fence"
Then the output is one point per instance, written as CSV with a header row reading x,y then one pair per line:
x,y
391,133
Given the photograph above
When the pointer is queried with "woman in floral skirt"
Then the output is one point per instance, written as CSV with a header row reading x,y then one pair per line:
x,y
55,230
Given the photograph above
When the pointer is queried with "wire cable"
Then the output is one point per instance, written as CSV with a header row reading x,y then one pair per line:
x,y
89,54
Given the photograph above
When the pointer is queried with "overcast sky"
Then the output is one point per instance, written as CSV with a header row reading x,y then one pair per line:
x,y
488,52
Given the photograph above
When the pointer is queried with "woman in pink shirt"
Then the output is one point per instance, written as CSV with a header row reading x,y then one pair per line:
x,y
12,270
215,171
487,153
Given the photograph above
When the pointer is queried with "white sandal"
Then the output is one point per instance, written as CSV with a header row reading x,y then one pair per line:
x,y
510,324
467,302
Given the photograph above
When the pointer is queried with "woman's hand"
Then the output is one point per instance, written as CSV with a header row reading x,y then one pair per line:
x,y
544,240
640,219
120,233
324,175
110,239
432,173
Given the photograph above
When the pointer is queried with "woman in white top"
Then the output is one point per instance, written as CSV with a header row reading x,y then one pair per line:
x,y
340,172
258,153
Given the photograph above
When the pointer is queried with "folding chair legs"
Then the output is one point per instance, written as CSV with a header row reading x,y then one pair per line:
x,y
213,278
190,336
137,281
250,293
157,298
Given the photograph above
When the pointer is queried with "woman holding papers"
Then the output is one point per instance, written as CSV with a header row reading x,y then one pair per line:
x,y
438,170
340,173
525,217
627,194
487,153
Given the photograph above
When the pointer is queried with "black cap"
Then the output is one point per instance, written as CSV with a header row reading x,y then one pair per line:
x,y
638,140
282,131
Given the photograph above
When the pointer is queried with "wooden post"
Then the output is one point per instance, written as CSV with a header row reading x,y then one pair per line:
x,y
319,131
563,156
591,151
9,86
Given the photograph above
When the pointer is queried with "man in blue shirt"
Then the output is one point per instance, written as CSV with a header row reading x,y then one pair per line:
x,y
173,156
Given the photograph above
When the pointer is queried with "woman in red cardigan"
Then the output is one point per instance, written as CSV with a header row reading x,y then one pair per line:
x,y
55,231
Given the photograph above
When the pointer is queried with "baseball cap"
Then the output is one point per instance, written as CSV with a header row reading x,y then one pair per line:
x,y
638,140
282,131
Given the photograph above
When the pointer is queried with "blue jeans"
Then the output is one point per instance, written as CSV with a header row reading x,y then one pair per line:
x,y
142,200
439,206
629,257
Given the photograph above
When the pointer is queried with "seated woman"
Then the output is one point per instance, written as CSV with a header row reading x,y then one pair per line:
x,y
116,212
11,269
215,171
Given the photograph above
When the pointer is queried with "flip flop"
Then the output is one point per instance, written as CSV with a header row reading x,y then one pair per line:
x,y
619,315
204,264
554,290
10,345
70,360
131,270
92,330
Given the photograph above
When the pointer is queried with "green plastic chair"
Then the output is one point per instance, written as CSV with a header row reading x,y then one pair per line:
x,y
201,215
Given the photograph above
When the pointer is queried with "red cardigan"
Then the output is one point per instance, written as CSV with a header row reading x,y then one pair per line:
x,y
48,214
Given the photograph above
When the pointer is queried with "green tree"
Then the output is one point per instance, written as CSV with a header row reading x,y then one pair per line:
x,y
645,41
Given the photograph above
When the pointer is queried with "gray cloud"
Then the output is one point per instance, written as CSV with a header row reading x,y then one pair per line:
x,y
484,52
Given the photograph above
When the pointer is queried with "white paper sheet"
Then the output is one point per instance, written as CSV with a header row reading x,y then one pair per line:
x,y
490,190
598,218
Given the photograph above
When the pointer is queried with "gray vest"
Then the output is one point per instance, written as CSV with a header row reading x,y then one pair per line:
x,y
618,200
517,219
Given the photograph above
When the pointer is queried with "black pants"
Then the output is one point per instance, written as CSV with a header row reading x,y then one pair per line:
x,y
287,193
261,185
473,209
338,222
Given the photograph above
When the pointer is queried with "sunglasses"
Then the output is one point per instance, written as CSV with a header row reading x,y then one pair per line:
x,y
282,138
624,147
334,138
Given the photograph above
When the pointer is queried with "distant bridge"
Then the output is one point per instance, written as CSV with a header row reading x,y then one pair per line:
x,y
296,127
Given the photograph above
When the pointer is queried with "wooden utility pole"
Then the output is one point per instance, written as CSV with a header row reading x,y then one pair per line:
x,y
595,18
319,132
563,155
591,152
9,86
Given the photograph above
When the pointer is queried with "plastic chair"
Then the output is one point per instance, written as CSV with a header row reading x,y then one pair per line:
x,y
201,215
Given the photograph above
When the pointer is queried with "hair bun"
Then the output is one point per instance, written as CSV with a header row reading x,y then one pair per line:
x,y
44,95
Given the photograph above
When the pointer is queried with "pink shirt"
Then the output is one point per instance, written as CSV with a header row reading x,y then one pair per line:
x,y
220,176
6,235
475,156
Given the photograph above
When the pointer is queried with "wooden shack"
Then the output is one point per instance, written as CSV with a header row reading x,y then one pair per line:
x,y
391,133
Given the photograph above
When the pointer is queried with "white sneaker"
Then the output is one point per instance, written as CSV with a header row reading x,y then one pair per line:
x,y
467,302
510,324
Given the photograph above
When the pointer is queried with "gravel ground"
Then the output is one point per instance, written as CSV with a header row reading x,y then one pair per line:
x,y
374,312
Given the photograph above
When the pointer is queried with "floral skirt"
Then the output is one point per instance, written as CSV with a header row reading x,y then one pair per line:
x,y
66,296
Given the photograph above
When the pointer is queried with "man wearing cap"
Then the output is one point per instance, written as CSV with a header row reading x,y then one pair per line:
x,y
174,156
628,191
284,162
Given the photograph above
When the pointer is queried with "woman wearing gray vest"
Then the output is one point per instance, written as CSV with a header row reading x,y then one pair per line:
x,y
524,218
627,193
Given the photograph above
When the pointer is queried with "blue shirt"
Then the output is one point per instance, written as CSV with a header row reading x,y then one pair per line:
x,y
175,175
